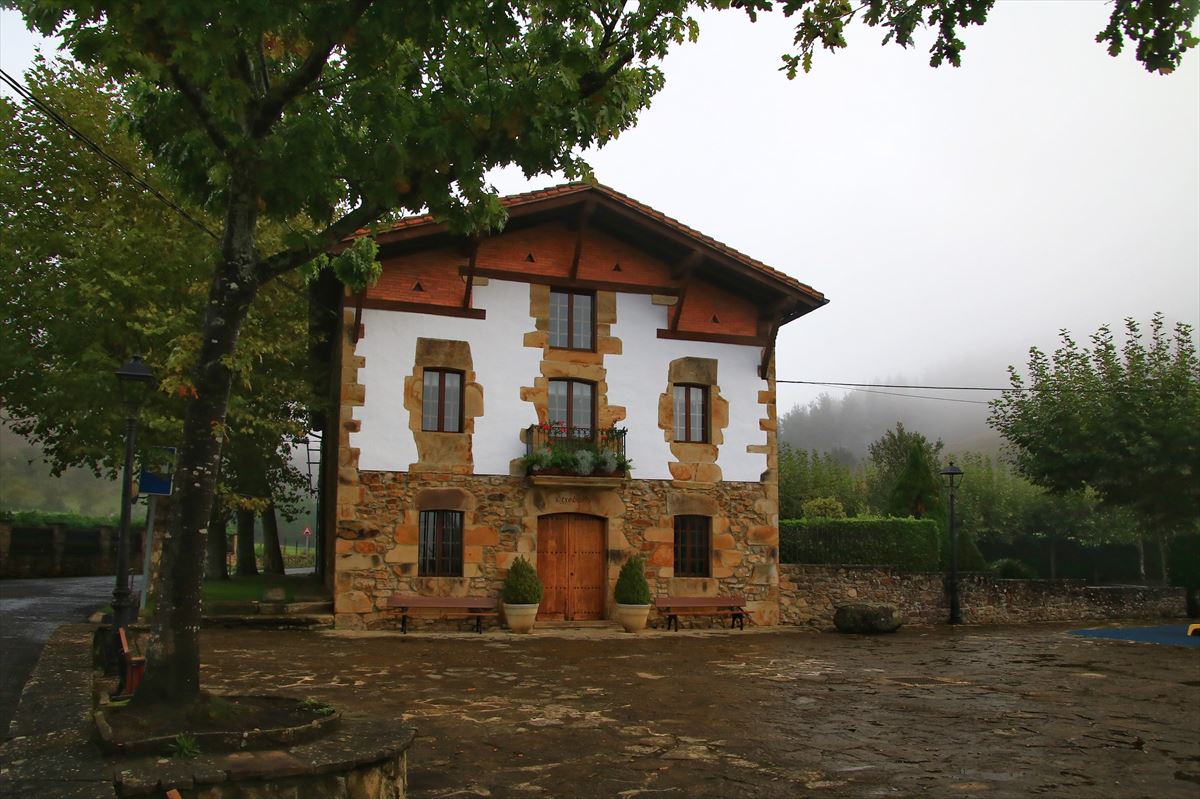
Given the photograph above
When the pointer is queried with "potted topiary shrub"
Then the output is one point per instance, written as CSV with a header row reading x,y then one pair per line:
x,y
633,595
521,595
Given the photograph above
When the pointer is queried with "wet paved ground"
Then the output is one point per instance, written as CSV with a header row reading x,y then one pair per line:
x,y
938,712
29,611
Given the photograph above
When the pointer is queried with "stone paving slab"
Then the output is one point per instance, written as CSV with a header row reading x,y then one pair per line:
x,y
938,712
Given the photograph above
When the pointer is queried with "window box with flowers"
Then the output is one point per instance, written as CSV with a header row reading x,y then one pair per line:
x,y
555,449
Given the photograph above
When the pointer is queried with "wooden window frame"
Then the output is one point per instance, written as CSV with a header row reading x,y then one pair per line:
x,y
440,565
441,401
571,295
692,546
689,437
571,401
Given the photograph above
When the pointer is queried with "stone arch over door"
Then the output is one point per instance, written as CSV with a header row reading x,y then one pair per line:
x,y
572,562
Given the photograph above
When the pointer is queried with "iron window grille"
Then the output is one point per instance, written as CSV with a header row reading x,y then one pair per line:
x,y
572,320
441,401
691,414
441,544
693,546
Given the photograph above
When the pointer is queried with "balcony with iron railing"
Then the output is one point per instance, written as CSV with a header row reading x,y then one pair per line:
x,y
583,453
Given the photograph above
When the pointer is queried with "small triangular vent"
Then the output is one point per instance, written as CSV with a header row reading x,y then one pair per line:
x,y
417,286
716,320
617,267
529,258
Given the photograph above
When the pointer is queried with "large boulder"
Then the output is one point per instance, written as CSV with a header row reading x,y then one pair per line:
x,y
862,617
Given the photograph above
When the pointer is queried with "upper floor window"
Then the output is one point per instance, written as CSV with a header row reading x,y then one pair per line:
x,y
441,544
572,404
693,546
572,320
441,401
691,413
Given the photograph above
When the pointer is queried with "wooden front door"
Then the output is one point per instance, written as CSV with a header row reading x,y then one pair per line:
x,y
571,562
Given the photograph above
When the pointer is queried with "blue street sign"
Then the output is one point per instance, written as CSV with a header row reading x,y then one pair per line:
x,y
157,479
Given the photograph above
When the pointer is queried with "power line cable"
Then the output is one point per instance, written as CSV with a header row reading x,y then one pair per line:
x,y
46,109
911,396
900,385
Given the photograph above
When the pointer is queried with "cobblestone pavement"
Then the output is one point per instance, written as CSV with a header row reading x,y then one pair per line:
x,y
936,712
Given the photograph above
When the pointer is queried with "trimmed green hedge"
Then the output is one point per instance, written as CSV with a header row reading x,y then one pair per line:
x,y
907,544
37,518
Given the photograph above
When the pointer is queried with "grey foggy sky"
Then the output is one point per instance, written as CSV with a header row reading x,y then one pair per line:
x,y
954,217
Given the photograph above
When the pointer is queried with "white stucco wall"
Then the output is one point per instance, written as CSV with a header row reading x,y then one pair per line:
x,y
638,377
502,365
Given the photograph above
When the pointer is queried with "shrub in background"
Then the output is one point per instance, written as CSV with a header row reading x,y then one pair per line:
x,y
822,508
1012,569
1183,565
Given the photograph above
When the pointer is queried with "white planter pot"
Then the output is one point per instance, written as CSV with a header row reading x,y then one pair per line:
x,y
632,617
520,618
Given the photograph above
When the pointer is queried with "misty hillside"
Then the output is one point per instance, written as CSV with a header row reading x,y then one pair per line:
x,y
852,422
26,483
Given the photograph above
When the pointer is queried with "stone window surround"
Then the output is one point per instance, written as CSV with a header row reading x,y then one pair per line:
x,y
443,451
695,462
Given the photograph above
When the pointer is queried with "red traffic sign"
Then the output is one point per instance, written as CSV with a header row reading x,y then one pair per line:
x,y
307,531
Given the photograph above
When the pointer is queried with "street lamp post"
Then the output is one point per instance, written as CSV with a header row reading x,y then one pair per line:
x,y
133,380
953,473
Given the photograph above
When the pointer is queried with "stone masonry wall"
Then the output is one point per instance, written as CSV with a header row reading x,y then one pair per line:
x,y
376,546
809,594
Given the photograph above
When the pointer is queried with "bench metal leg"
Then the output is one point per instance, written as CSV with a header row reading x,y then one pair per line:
x,y
479,624
404,623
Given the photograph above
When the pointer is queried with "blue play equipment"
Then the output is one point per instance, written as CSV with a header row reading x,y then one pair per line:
x,y
1170,634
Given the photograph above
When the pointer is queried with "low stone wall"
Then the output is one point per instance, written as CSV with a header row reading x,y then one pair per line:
x,y
60,551
809,594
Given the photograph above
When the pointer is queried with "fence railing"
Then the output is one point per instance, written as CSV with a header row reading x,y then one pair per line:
x,y
611,439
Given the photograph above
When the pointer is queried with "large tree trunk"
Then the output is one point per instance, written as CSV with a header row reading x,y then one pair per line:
x,y
246,565
272,556
173,668
216,554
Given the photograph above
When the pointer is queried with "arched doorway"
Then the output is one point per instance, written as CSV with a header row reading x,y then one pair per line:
x,y
572,564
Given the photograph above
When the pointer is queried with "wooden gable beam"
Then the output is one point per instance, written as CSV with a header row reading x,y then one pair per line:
x,y
683,271
770,322
473,246
581,223
358,308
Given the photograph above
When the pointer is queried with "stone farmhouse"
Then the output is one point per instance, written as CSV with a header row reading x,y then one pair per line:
x,y
493,392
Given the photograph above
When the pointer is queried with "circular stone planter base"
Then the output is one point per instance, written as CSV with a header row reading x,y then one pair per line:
x,y
289,721
365,758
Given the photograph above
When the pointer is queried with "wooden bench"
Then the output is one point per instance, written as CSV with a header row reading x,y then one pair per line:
x,y
675,606
133,668
449,607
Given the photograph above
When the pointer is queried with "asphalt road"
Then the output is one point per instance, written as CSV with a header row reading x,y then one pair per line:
x,y
29,611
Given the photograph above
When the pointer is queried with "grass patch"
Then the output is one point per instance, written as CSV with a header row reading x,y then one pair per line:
x,y
297,588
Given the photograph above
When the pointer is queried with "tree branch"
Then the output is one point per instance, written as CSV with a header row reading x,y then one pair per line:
x,y
196,101
323,242
308,72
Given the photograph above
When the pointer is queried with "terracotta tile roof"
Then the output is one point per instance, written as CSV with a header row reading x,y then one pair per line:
x,y
530,197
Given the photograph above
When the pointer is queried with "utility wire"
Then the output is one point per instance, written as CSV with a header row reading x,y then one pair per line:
x,y
46,109
899,385
910,396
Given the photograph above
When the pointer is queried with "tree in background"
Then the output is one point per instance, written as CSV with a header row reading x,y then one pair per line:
x,y
1122,423
903,478
390,108
806,475
95,269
